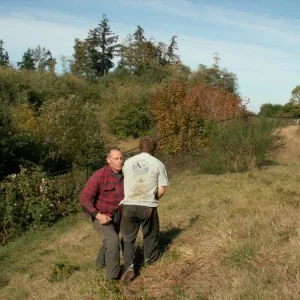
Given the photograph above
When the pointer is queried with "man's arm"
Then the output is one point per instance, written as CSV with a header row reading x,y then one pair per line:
x,y
162,182
160,192
87,195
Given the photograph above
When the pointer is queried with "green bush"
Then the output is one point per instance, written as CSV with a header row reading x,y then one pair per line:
x,y
133,120
31,200
17,86
71,131
48,119
241,145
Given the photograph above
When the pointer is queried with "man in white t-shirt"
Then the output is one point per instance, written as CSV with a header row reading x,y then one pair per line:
x,y
145,179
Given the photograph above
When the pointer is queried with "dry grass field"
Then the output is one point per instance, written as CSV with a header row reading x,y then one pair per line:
x,y
235,236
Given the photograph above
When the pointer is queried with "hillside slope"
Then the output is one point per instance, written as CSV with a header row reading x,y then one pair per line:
x,y
235,236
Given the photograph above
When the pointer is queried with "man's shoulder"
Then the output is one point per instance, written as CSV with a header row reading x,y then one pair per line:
x,y
100,172
156,161
132,159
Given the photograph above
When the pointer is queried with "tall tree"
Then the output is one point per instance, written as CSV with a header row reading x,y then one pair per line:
x,y
172,57
102,46
295,98
4,58
144,50
126,53
217,77
138,53
79,65
27,62
161,53
43,59
50,62
139,35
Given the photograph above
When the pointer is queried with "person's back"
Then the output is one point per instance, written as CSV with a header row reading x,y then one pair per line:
x,y
143,174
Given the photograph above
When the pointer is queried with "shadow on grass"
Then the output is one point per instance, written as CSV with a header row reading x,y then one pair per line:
x,y
165,239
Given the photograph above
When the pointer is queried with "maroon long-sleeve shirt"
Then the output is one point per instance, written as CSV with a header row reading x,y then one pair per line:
x,y
102,192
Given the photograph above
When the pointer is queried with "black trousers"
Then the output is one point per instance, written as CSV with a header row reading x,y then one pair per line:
x,y
134,216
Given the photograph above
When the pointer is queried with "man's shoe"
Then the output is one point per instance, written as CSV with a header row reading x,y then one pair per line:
x,y
128,276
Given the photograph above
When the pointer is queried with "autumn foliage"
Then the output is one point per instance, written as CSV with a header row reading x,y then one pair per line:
x,y
180,111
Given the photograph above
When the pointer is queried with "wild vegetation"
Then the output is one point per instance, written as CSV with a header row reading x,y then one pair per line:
x,y
233,236
55,127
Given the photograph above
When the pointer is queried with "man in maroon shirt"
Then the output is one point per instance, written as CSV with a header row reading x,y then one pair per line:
x,y
100,198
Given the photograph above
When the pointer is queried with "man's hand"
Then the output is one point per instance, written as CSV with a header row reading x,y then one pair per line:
x,y
103,219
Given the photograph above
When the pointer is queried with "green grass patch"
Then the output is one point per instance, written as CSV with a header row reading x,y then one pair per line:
x,y
26,247
241,255
4,281
62,271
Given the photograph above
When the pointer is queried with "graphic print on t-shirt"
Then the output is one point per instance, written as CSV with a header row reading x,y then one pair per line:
x,y
140,167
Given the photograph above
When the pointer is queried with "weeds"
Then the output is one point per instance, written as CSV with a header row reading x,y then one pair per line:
x,y
62,271
241,255
4,281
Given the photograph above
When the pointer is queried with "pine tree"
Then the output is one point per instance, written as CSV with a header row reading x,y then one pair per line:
x,y
50,62
101,45
27,62
172,57
139,35
4,58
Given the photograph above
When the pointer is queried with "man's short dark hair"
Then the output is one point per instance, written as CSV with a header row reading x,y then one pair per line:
x,y
148,144
109,150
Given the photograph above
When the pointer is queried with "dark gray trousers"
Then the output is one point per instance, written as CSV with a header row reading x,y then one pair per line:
x,y
134,216
109,253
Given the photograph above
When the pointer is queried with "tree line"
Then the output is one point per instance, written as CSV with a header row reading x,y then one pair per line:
x,y
93,56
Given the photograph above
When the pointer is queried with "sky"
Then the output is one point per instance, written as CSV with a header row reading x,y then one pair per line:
x,y
257,40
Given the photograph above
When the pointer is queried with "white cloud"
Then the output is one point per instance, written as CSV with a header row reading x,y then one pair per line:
x,y
27,32
276,30
53,30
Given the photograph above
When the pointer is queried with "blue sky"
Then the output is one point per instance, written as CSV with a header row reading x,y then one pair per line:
x,y
258,41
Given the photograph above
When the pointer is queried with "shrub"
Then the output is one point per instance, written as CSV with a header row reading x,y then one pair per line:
x,y
239,146
31,200
133,120
71,131
181,111
47,119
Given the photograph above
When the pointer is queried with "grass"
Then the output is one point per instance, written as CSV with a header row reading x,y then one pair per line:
x,y
234,236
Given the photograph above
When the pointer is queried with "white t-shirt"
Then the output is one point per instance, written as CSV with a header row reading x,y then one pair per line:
x,y
143,174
